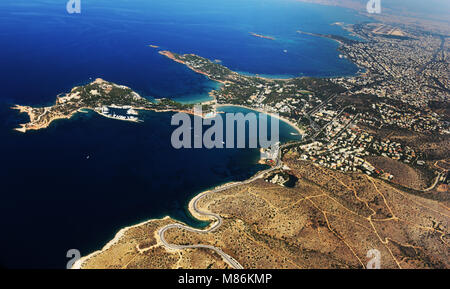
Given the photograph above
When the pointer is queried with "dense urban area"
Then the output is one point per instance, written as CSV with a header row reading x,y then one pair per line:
x,y
395,108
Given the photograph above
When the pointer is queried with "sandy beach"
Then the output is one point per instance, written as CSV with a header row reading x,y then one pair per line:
x,y
294,126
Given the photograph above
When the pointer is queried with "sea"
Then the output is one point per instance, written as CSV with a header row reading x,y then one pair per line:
x,y
75,184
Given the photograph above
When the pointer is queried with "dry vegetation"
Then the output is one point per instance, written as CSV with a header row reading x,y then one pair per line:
x,y
140,248
328,220
404,174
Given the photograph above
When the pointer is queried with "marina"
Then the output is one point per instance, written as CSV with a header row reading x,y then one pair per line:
x,y
119,113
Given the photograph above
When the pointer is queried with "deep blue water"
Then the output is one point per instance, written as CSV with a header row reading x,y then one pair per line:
x,y
76,183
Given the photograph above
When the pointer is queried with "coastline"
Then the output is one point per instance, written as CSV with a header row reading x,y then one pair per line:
x,y
171,56
214,219
119,235
127,182
206,217
24,109
27,110
283,119
191,206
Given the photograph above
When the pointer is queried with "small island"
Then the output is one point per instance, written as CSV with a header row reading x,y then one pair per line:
x,y
262,36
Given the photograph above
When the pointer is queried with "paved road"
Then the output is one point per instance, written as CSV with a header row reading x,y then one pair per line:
x,y
218,220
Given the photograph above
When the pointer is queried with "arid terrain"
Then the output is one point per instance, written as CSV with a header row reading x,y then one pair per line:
x,y
371,172
140,248
330,221
404,175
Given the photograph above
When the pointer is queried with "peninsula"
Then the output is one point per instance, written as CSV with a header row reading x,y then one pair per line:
x,y
371,172
97,96
327,220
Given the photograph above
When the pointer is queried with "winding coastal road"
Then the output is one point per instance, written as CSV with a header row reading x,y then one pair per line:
x,y
218,219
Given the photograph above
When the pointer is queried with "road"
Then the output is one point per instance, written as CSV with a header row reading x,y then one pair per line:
x,y
218,220
330,122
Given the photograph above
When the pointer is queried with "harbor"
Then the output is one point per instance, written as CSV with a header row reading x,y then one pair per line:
x,y
120,113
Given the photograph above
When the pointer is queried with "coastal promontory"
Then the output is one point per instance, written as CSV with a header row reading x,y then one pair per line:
x,y
98,96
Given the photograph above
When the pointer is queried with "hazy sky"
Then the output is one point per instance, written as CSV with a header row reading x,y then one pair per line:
x,y
439,7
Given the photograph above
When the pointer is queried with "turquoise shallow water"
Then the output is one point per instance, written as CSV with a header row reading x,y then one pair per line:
x,y
76,183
